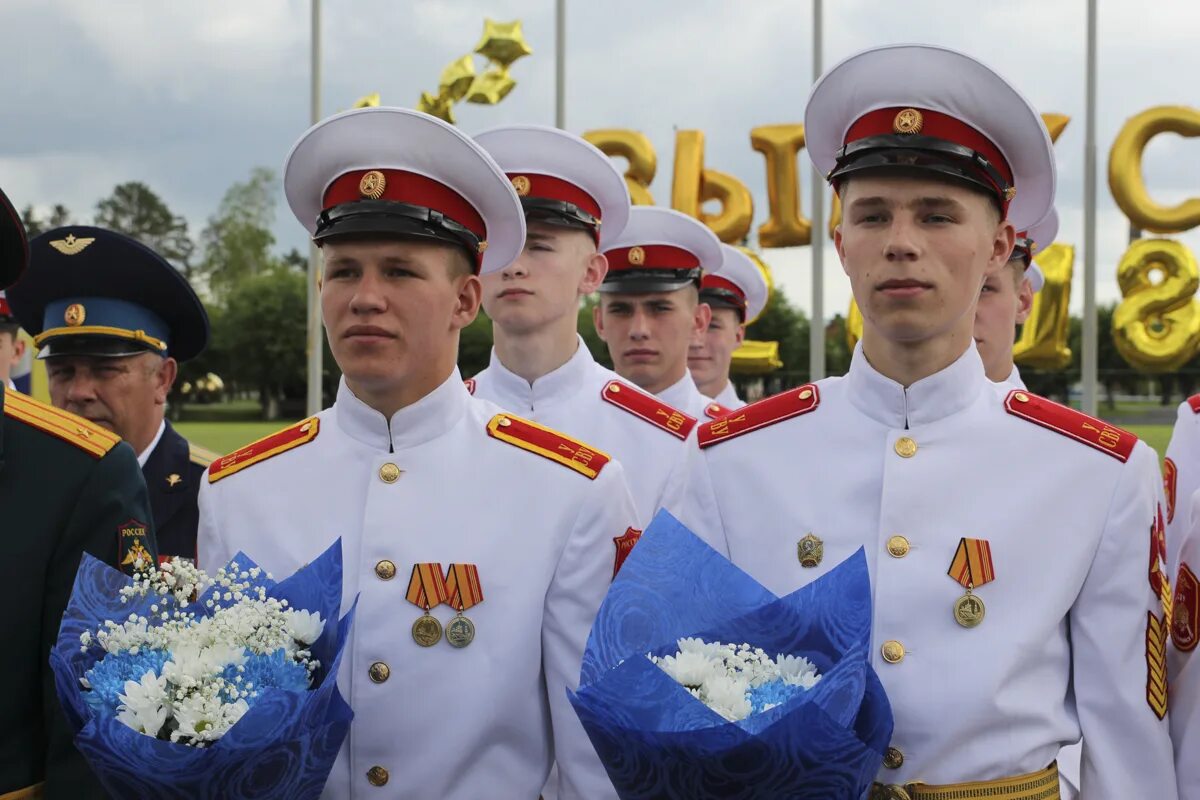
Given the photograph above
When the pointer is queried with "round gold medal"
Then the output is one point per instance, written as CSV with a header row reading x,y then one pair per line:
x,y
969,610
460,631
426,631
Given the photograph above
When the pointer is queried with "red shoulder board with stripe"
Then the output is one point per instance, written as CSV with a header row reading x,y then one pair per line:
x,y
548,443
716,411
1185,613
302,432
649,408
767,411
470,384
1170,486
1076,425
1194,402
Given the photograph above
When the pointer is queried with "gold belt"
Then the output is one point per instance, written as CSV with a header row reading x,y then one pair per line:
x,y
28,793
1041,785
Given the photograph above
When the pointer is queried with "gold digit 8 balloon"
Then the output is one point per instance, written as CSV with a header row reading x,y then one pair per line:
x,y
634,147
1043,342
1125,170
1156,328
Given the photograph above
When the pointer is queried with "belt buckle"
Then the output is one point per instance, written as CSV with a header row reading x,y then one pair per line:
x,y
890,791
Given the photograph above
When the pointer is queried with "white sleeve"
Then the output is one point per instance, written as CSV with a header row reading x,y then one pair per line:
x,y
211,551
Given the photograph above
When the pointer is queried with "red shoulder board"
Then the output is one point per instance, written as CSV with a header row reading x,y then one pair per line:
x,y
767,411
470,384
1093,432
649,408
302,432
1185,614
1194,402
548,443
716,410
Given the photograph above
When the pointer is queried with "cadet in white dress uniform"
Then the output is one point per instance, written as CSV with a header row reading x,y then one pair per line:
x,y
1181,477
737,297
650,310
500,529
1006,300
1007,536
575,202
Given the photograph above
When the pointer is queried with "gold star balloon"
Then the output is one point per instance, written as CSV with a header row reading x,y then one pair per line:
x,y
457,78
503,42
491,87
436,106
367,101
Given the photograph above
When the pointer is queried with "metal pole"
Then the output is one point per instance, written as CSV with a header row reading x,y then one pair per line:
x,y
1090,337
560,64
316,345
816,325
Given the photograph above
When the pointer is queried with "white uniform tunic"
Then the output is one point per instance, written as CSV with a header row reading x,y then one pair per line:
x,y
1182,472
570,399
728,397
1062,648
1014,380
452,724
684,395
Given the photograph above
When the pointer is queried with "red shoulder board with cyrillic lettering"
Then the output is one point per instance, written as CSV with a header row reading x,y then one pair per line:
x,y
470,384
649,408
767,411
291,437
548,443
1095,433
716,411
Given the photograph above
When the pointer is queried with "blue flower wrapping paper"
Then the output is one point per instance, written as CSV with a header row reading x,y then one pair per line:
x,y
658,741
283,747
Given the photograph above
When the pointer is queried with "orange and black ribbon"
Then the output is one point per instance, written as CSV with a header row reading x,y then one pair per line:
x,y
972,565
463,587
426,587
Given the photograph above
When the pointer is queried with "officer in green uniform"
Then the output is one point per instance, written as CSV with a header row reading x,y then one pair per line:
x,y
67,487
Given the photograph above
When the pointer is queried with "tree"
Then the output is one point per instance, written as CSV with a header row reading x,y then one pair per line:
x,y
135,210
35,224
784,323
237,240
475,346
262,335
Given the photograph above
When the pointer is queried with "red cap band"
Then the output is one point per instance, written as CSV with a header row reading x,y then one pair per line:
x,y
715,282
529,184
651,256
405,187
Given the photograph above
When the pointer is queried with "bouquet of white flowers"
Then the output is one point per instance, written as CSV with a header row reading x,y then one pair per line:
x,y
181,685
674,712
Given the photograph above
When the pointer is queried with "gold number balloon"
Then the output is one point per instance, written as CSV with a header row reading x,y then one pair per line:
x,y
854,324
636,149
1125,170
779,145
1156,328
1044,336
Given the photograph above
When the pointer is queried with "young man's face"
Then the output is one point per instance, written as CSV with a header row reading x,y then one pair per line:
x,y
126,395
1004,303
11,350
916,251
393,310
648,335
710,355
557,267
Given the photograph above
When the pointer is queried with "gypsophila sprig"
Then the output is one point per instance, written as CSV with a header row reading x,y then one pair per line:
x,y
189,678
737,680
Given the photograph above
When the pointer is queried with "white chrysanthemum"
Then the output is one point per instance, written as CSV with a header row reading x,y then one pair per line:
x,y
204,718
711,650
690,669
798,671
727,696
143,706
305,626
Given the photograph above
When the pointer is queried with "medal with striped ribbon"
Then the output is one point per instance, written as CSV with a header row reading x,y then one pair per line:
x,y
972,567
464,591
427,589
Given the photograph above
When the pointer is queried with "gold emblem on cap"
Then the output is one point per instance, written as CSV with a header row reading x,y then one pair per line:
x,y
173,479
70,245
521,184
810,550
372,184
637,256
908,121
75,315
479,248
1010,193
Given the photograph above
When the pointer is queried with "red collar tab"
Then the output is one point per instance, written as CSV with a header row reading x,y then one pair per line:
x,y
651,256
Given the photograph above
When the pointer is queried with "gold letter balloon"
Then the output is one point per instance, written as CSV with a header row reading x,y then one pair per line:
x,y
1125,170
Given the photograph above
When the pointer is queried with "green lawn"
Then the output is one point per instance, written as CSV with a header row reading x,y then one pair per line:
x,y
1157,436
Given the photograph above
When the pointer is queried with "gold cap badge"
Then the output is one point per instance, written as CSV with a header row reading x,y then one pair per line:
x,y
174,479
372,184
637,256
75,315
908,121
70,245
521,184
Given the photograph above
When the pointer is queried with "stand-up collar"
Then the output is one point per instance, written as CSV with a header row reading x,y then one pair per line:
x,y
516,394
683,394
415,424
928,400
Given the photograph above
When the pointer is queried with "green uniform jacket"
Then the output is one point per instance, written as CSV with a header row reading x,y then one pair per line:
x,y
66,487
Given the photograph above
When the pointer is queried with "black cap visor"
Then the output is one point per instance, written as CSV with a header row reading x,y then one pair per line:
x,y
390,218
646,281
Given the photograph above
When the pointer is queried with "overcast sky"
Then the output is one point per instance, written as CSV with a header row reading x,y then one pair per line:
x,y
189,97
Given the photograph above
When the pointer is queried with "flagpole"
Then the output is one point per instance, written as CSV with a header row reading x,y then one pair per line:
x,y
816,325
1090,333
315,346
560,64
